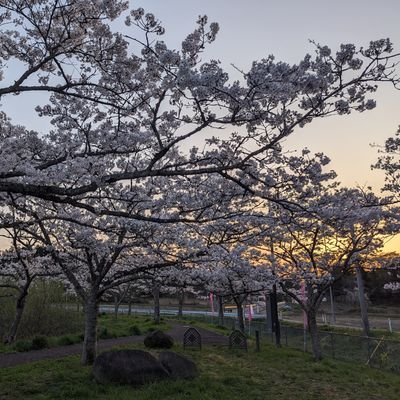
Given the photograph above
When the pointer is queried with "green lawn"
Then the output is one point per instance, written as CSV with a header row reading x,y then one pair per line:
x,y
108,327
271,374
126,325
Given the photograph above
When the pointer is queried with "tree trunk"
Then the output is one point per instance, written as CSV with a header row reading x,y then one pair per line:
x,y
240,315
130,307
220,310
268,311
363,303
313,330
181,299
156,296
116,306
90,338
19,310
276,326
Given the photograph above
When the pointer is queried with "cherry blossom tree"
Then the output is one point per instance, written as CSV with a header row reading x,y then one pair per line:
x,y
389,162
119,294
96,256
132,133
177,282
314,246
20,265
151,285
234,272
125,108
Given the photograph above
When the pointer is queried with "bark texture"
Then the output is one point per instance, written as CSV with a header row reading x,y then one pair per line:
x,y
156,297
19,311
220,310
363,303
90,339
313,330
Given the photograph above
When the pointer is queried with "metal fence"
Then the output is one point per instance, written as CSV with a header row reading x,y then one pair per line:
x,y
374,351
377,352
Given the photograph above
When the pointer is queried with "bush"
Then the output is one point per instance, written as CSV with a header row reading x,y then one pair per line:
x,y
23,345
135,330
158,340
222,327
65,340
150,329
105,334
39,342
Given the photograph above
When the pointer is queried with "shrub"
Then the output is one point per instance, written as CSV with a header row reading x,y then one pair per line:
x,y
65,340
135,330
39,342
222,327
23,345
104,333
158,340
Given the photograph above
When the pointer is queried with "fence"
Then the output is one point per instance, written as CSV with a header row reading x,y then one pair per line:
x,y
374,351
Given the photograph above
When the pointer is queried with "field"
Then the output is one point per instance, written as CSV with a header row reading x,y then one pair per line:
x,y
271,374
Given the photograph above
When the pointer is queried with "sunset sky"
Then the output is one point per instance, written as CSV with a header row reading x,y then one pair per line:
x,y
253,29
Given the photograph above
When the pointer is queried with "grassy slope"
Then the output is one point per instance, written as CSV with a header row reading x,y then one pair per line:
x,y
272,374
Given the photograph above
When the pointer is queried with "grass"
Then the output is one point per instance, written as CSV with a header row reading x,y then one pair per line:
x,y
126,325
108,327
344,344
201,323
273,373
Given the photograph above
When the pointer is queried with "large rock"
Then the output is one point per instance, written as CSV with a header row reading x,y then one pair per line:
x,y
177,365
158,340
134,367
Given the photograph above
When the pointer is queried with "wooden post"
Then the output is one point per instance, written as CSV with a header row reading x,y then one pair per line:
x,y
257,341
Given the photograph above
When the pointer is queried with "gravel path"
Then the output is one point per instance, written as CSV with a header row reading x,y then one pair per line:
x,y
176,331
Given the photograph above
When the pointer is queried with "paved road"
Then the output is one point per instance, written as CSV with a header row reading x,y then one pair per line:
x,y
342,320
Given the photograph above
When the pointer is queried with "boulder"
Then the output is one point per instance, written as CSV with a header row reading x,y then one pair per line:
x,y
178,366
158,340
134,367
